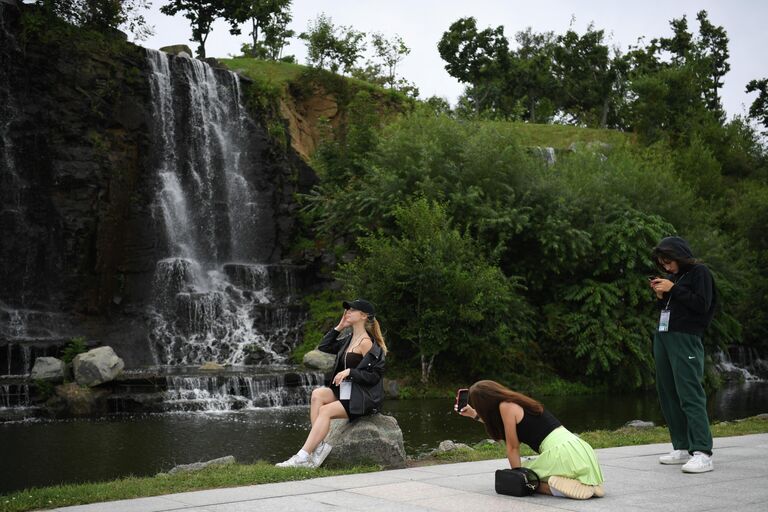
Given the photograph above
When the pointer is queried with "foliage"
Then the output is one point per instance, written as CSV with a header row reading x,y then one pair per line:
x,y
437,295
759,108
74,347
45,389
102,15
337,47
324,312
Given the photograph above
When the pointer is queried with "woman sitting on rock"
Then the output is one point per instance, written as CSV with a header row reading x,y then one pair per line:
x,y
566,465
356,390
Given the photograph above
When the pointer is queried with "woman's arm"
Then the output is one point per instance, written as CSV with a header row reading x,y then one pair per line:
x,y
510,412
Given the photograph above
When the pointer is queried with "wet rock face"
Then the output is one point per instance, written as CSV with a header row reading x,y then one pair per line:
x,y
79,217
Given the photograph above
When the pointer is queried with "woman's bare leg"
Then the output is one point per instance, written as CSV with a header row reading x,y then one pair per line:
x,y
320,397
322,424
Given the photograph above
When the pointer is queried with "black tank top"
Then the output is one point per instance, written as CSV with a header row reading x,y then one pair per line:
x,y
352,360
535,427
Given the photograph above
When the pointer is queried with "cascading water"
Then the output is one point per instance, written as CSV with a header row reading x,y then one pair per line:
x,y
213,298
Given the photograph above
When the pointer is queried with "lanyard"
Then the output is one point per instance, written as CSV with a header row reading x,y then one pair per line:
x,y
670,295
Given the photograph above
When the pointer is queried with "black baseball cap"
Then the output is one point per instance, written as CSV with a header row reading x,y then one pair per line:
x,y
360,305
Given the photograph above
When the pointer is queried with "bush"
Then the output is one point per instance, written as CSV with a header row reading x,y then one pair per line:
x,y
74,346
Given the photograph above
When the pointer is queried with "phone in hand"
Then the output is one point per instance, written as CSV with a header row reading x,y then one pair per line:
x,y
462,399
651,278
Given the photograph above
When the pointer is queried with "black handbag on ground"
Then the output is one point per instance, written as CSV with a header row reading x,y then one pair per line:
x,y
516,482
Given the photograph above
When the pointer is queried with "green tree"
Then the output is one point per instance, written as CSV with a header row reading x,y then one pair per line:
x,y
337,47
438,294
201,14
269,21
102,15
759,108
390,53
712,53
479,58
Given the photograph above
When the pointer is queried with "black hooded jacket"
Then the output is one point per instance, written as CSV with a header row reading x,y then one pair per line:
x,y
693,299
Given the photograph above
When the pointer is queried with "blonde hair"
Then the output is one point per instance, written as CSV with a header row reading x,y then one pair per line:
x,y
373,328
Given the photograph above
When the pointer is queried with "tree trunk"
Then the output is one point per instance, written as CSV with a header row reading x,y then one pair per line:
x,y
426,368
604,115
255,34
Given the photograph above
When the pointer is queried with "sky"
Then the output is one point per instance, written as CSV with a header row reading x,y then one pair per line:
x,y
421,24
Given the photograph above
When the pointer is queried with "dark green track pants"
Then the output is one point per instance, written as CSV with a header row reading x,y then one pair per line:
x,y
679,371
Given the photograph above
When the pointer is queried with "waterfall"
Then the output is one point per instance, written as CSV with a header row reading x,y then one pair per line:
x,y
224,393
212,285
747,368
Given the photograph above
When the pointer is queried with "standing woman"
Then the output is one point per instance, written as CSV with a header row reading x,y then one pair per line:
x,y
566,465
356,390
687,299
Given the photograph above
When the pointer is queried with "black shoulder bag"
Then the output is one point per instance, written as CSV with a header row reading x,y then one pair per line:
x,y
516,482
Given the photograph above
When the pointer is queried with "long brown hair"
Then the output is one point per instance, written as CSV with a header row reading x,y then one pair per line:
x,y
373,328
485,397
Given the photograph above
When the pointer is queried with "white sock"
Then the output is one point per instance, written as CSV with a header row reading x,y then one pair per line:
x,y
303,455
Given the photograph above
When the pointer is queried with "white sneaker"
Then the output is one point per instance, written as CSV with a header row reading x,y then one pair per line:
x,y
295,462
699,463
675,457
320,453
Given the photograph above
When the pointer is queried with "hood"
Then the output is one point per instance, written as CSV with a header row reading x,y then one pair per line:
x,y
676,247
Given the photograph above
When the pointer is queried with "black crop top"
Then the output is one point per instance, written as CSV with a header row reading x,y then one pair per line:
x,y
533,428
352,360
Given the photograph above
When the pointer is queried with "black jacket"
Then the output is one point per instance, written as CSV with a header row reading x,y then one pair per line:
x,y
367,386
693,299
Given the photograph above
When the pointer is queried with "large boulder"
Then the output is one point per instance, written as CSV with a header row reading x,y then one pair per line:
x,y
180,50
48,368
375,439
73,400
97,366
319,360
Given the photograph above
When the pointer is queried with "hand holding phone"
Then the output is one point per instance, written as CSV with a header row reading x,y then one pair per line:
x,y
462,399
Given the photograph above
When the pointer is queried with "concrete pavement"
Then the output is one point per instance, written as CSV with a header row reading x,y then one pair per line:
x,y
635,481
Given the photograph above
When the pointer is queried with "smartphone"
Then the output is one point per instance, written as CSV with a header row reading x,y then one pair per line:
x,y
462,399
651,278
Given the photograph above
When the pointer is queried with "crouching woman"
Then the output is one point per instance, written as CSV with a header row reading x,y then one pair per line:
x,y
566,465
356,389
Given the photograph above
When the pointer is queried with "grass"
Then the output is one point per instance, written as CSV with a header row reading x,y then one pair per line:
x,y
261,473
279,73
138,487
561,137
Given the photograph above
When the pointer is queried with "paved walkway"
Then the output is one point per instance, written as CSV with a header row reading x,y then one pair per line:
x,y
634,481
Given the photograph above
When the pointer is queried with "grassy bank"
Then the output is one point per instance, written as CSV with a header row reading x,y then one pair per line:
x,y
240,474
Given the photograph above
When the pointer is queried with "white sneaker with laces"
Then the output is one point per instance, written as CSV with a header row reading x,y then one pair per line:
x,y
675,457
320,453
296,462
699,463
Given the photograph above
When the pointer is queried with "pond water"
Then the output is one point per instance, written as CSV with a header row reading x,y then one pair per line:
x,y
37,453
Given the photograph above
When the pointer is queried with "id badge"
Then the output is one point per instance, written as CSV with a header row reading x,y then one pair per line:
x,y
664,320
345,390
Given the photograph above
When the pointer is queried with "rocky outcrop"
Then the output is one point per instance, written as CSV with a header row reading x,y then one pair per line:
x,y
180,50
49,369
375,439
97,366
319,360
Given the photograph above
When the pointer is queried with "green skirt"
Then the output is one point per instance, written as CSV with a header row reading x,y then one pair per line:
x,y
565,454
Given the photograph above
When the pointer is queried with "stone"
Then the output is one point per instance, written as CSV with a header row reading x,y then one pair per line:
x,y
639,424
73,400
48,368
375,439
449,446
319,360
197,466
180,50
211,366
97,366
